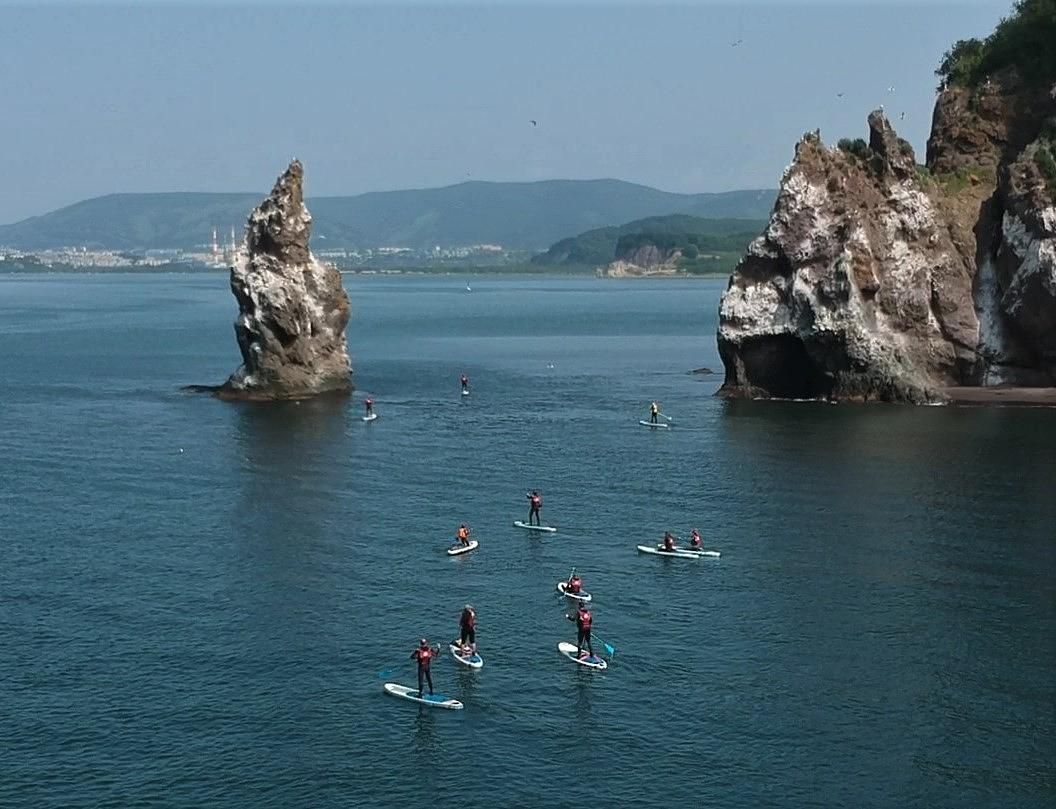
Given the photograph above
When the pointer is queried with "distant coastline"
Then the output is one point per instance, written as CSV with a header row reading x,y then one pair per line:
x,y
496,271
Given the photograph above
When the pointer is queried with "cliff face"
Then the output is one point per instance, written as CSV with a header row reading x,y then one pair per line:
x,y
646,259
292,308
879,279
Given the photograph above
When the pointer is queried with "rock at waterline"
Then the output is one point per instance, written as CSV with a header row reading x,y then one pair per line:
x,y
292,308
854,290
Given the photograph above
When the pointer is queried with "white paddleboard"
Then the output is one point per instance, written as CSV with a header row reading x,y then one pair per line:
x,y
569,651
701,552
432,700
676,552
457,549
526,526
561,585
465,393
655,425
371,417
474,661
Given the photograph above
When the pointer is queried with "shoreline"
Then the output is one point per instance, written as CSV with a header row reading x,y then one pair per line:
x,y
488,272
1001,396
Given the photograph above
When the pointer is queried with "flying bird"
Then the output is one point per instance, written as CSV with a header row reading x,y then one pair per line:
x,y
902,116
839,95
738,42
533,123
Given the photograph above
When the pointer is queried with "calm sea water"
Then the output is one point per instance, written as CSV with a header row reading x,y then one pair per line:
x,y
198,597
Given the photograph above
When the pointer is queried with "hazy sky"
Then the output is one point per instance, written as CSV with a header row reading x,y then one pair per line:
x,y
218,96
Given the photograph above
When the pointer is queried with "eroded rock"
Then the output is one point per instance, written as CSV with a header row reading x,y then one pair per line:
x,y
292,308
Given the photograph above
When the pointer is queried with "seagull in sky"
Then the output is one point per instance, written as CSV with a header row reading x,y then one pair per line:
x,y
533,123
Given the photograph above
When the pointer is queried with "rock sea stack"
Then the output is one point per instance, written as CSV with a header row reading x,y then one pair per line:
x,y
292,308
878,279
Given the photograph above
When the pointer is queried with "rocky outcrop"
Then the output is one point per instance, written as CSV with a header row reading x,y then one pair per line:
x,y
292,308
855,289
879,279
1025,265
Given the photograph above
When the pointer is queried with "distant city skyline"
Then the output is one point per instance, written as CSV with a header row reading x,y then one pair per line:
x,y
99,99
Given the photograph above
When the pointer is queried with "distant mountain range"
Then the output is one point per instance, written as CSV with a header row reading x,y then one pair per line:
x,y
520,216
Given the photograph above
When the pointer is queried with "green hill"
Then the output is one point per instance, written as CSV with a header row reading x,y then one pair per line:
x,y
525,216
697,237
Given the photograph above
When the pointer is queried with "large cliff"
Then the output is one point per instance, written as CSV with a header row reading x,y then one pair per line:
x,y
877,278
292,308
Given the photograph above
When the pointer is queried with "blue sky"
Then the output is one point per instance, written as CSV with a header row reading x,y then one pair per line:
x,y
218,96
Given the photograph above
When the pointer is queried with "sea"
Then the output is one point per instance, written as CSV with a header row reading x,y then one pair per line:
x,y
202,600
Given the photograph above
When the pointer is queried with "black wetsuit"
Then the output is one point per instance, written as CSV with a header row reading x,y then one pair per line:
x,y
423,669
533,511
467,627
583,635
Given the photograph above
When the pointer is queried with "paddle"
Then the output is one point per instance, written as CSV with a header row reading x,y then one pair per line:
x,y
610,649
662,415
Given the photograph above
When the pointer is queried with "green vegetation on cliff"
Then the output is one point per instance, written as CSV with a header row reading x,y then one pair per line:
x,y
1025,40
707,245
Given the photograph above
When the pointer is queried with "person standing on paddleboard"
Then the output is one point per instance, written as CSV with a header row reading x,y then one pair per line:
x,y
535,505
369,404
654,411
583,620
463,535
424,654
465,383
467,629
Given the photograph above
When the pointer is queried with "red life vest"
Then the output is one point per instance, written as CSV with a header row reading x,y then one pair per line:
x,y
537,501
469,619
585,619
668,543
575,585
695,540
425,656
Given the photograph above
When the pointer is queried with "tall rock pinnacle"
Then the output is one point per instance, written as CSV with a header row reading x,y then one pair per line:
x,y
292,308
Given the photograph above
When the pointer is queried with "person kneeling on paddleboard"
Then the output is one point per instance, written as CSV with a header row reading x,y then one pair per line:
x,y
695,541
467,630
575,584
535,505
463,535
369,403
583,620
654,411
424,654
669,541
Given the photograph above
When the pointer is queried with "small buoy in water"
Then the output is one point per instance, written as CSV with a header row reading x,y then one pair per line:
x,y
181,449
468,289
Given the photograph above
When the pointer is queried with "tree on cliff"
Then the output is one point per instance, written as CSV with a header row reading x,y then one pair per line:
x,y
1025,40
